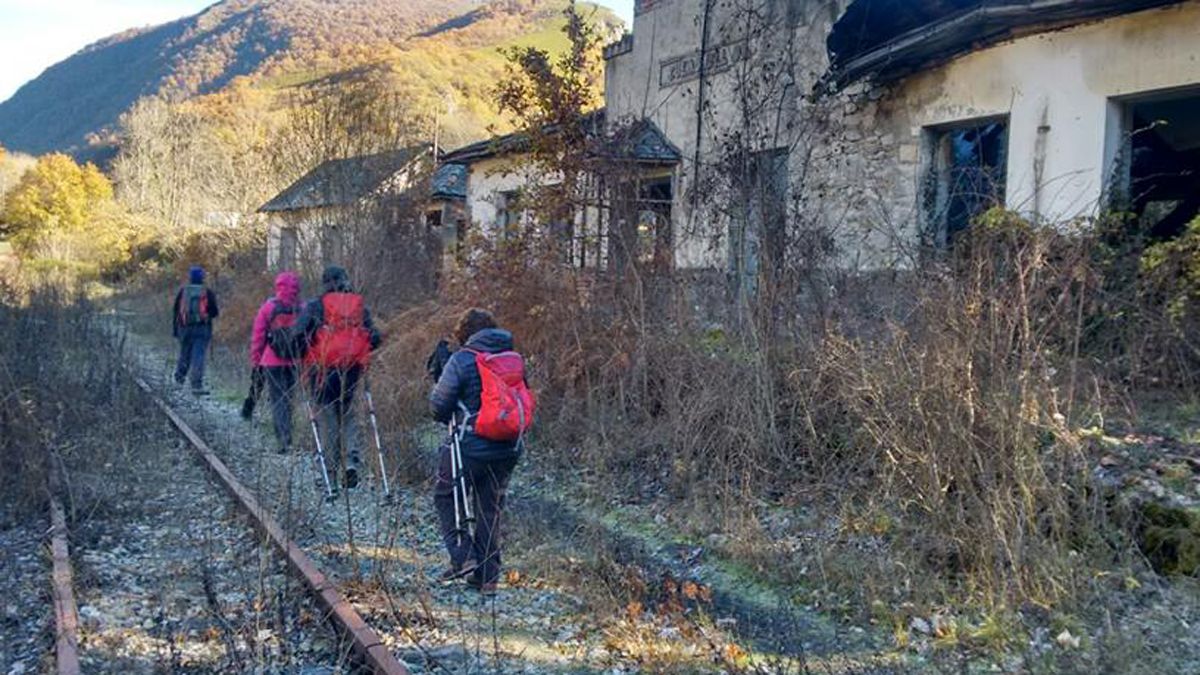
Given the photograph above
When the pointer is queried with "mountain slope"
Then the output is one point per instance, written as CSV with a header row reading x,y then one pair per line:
x,y
85,94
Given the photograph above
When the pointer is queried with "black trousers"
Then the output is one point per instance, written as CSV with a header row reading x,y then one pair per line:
x,y
281,383
488,483
333,394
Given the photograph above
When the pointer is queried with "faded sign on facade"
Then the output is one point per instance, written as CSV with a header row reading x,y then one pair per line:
x,y
640,7
719,58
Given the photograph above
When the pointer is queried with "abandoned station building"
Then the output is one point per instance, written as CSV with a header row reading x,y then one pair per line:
x,y
879,128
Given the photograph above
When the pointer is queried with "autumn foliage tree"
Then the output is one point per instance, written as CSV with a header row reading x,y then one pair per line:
x,y
64,213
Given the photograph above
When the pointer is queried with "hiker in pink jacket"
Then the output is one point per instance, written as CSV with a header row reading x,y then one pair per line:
x,y
272,334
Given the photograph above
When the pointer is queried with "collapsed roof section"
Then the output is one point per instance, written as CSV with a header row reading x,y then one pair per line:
x,y
888,39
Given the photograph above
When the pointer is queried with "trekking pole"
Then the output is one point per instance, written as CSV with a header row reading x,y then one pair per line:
x,y
320,454
387,491
454,482
464,517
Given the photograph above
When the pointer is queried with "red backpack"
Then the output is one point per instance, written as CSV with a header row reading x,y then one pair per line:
x,y
343,340
506,405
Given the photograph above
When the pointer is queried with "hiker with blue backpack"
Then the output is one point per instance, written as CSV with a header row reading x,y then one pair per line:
x,y
273,355
483,397
192,324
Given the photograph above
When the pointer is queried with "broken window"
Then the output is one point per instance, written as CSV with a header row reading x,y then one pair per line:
x,y
640,232
1162,162
967,175
508,211
433,220
333,245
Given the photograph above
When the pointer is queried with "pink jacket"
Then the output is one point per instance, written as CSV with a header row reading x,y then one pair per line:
x,y
287,292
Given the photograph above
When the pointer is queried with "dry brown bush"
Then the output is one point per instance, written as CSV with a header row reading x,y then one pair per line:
x,y
959,420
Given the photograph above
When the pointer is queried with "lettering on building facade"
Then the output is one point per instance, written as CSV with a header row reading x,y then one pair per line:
x,y
640,7
720,58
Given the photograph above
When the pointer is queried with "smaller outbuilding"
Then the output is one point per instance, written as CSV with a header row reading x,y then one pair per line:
x,y
327,213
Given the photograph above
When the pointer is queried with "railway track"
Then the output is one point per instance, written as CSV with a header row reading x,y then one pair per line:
x,y
174,573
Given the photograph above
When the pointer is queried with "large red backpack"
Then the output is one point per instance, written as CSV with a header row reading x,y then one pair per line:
x,y
506,405
343,340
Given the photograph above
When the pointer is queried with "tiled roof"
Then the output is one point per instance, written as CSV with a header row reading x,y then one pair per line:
x,y
343,181
450,182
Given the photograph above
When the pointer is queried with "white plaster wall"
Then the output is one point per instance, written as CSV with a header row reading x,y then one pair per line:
x,y
1058,84
487,179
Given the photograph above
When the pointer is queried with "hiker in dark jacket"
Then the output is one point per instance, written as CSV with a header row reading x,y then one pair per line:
x,y
192,324
487,464
336,354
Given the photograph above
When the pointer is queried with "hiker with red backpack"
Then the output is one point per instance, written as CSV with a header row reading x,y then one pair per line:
x,y
192,324
273,356
482,394
338,337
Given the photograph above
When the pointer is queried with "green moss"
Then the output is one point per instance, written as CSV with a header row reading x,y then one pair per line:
x,y
1171,539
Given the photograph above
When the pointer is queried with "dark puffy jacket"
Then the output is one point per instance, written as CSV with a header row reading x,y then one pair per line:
x,y
460,382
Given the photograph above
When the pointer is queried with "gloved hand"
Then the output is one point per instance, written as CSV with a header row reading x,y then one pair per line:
x,y
438,359
258,379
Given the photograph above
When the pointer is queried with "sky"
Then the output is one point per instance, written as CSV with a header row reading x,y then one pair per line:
x,y
36,34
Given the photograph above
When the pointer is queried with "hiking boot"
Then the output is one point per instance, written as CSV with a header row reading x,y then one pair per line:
x,y
248,409
351,479
200,391
454,573
488,590
285,450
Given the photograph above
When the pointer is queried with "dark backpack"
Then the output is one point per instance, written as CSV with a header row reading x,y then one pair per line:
x,y
437,361
193,305
281,338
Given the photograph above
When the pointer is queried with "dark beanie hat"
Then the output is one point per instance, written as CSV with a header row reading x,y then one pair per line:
x,y
334,279
196,274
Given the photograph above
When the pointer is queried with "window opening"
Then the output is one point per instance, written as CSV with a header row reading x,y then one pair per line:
x,y
968,170
287,248
655,197
1164,162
